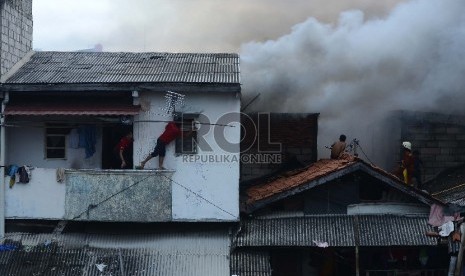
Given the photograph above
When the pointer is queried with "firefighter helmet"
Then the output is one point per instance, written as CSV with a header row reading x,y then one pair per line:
x,y
407,145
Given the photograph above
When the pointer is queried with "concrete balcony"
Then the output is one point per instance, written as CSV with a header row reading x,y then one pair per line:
x,y
92,195
118,195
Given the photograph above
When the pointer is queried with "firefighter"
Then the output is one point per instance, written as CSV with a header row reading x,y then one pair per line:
x,y
408,163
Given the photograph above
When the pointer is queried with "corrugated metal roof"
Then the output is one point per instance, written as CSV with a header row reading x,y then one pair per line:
x,y
394,230
250,263
337,231
70,108
449,185
179,253
123,67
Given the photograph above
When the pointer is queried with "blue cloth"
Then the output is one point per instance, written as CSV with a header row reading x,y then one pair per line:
x,y
88,138
13,170
7,247
74,139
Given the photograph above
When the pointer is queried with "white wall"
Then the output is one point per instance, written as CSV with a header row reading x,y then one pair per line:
x,y
201,190
25,146
42,198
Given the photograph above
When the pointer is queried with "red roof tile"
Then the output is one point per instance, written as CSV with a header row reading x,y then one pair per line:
x,y
299,177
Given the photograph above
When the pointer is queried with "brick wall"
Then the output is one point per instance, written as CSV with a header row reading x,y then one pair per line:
x,y
16,32
289,135
439,138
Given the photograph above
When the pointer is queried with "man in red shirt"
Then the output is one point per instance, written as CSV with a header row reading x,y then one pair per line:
x,y
123,151
172,131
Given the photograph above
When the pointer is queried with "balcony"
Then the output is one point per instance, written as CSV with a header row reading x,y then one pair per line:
x,y
93,195
118,195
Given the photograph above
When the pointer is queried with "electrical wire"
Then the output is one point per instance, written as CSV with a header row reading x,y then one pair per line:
x,y
365,154
200,196
93,206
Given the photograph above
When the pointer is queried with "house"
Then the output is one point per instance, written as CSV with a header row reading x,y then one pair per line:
x,y
55,98
341,217
70,210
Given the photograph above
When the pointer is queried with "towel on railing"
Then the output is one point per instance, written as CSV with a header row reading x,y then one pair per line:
x,y
60,175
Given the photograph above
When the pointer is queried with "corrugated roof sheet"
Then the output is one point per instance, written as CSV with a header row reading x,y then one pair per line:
x,y
337,231
123,67
250,263
180,253
394,230
449,185
70,108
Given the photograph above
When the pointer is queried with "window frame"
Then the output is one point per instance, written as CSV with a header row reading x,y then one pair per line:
x,y
188,124
62,134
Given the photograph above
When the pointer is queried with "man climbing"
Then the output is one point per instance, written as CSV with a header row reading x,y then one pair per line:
x,y
172,131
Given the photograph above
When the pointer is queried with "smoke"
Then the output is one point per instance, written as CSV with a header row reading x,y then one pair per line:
x,y
178,25
355,71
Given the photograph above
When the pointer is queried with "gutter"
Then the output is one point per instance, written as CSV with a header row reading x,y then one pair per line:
x,y
2,164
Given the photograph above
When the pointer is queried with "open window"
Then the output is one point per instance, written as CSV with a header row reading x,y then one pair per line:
x,y
187,143
55,141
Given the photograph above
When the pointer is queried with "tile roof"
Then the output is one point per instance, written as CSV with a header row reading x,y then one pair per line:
x,y
124,67
337,231
296,178
321,172
177,253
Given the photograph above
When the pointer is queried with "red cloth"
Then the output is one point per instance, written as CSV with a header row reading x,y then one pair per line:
x,y
171,132
124,143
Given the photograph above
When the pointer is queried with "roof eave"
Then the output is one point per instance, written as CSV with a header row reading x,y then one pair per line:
x,y
418,194
118,87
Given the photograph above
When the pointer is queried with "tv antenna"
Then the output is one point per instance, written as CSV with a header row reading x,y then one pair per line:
x,y
173,99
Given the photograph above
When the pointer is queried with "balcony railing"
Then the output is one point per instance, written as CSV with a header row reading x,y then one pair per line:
x,y
118,195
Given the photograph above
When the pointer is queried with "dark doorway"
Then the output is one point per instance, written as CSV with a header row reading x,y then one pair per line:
x,y
286,262
111,135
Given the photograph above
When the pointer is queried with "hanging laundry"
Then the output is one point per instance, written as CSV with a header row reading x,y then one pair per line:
x,y
74,139
88,138
23,175
321,244
60,173
437,217
446,229
12,170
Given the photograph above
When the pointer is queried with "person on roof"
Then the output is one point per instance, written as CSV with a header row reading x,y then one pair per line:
x,y
408,162
172,131
337,148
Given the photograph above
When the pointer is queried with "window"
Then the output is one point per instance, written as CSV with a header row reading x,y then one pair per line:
x,y
187,143
55,142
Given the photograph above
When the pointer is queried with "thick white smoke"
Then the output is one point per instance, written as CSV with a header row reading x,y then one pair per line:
x,y
357,70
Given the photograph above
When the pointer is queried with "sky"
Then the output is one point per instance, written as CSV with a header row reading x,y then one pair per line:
x,y
352,61
179,25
